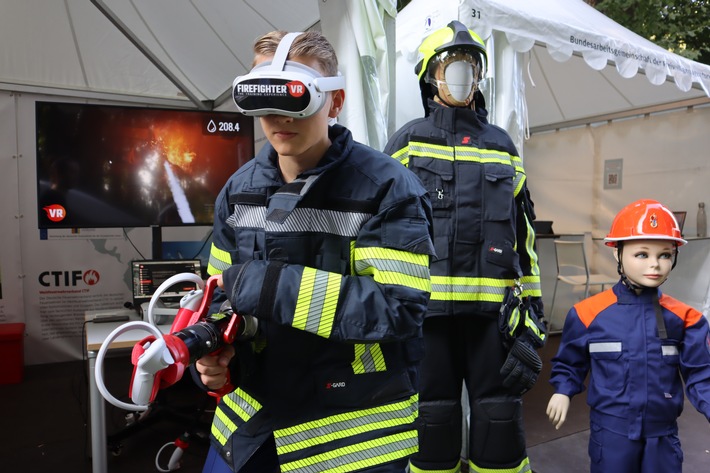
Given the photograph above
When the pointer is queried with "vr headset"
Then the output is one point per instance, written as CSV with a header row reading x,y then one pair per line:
x,y
282,87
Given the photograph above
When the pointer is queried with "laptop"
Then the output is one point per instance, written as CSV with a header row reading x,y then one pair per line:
x,y
149,275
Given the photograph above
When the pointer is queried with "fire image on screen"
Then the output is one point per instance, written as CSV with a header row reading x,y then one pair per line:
x,y
109,166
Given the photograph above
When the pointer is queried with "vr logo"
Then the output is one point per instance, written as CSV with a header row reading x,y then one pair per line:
x,y
55,212
296,88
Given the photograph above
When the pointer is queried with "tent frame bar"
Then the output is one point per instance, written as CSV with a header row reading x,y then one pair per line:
x,y
111,16
699,101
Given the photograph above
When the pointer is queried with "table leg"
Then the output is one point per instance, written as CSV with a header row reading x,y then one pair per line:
x,y
97,420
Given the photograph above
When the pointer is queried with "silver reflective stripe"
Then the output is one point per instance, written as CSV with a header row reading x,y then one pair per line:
x,y
669,350
300,220
605,347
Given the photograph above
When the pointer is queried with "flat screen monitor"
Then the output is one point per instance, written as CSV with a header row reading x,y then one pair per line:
x,y
110,166
148,275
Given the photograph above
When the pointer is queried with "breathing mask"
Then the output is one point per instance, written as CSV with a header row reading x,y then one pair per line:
x,y
455,75
282,87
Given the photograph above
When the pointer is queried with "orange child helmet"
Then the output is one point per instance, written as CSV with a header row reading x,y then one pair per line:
x,y
644,219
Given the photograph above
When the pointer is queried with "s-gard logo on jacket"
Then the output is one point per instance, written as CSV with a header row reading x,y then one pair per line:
x,y
55,212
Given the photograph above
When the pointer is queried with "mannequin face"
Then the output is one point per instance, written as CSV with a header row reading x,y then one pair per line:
x,y
647,262
455,74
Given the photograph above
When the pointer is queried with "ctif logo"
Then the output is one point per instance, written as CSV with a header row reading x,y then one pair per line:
x,y
296,88
55,212
90,277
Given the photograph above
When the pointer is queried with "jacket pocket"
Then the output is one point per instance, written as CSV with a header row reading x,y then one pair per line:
x,y
499,192
437,176
608,364
669,374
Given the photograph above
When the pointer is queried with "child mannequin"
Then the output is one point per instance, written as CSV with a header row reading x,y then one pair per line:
x,y
640,346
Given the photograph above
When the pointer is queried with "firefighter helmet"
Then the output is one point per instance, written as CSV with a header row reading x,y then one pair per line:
x,y
644,219
451,44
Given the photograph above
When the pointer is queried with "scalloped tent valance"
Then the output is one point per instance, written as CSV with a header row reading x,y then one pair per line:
x,y
572,27
574,65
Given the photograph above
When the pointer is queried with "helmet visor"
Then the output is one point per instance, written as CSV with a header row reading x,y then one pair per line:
x,y
456,74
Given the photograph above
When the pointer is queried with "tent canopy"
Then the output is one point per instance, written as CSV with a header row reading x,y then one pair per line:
x,y
159,51
180,53
577,64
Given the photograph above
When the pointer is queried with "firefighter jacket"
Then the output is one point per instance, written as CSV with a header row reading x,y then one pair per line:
x,y
335,267
483,216
636,382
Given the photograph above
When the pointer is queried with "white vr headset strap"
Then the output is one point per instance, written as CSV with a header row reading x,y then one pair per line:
x,y
282,51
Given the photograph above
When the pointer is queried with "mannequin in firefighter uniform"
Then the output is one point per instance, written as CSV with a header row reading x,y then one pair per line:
x,y
326,242
640,346
484,242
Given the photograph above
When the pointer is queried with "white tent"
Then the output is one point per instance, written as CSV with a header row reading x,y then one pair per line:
x,y
554,63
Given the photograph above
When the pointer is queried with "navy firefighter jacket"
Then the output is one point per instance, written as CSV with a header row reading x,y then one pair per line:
x,y
483,233
636,382
335,267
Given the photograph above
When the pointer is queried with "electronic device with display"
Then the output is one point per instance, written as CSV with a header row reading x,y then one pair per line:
x,y
148,275
117,166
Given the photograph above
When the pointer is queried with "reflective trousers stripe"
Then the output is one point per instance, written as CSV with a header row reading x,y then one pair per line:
x,y
524,467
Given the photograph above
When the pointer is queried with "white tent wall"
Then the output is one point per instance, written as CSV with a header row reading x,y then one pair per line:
x,y
664,158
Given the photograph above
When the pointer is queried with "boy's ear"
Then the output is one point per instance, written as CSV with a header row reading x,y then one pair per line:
x,y
616,254
336,104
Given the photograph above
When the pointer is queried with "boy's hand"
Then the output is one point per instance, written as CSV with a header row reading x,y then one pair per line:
x,y
557,409
214,369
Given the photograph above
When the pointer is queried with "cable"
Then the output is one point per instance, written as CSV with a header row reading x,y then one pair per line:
x,y
125,234
99,369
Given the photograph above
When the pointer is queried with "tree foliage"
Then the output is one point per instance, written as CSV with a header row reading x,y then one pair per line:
x,y
680,26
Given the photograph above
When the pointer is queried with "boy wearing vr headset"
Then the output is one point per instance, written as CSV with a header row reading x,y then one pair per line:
x,y
326,242
484,242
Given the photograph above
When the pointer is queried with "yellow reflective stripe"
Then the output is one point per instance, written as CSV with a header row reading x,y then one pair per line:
x,y
514,320
524,467
388,266
317,301
238,402
518,182
219,261
358,456
242,404
414,469
222,426
368,358
428,150
402,155
465,153
460,288
530,248
347,424
531,286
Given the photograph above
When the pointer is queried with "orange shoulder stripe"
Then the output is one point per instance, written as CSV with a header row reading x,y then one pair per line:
x,y
589,308
684,312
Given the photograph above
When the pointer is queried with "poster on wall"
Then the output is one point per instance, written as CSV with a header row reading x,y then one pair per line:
x,y
104,183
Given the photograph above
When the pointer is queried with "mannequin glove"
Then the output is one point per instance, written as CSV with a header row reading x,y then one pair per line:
x,y
522,367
